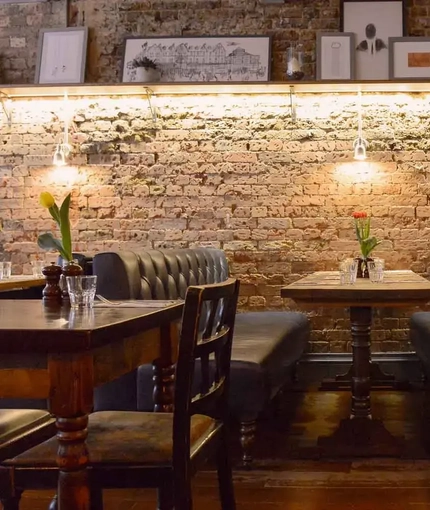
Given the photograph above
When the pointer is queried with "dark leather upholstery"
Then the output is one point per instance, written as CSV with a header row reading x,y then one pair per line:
x,y
420,338
23,428
266,345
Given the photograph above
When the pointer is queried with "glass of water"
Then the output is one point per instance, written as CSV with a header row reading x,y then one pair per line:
x,y
82,290
376,270
5,270
348,271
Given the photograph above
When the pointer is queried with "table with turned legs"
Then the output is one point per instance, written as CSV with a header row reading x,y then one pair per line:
x,y
360,433
63,354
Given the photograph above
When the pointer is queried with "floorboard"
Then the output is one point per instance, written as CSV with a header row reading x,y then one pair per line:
x,y
291,474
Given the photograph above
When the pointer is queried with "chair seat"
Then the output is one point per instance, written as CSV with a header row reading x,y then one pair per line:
x,y
116,437
14,423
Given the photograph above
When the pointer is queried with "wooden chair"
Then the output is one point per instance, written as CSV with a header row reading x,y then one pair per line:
x,y
21,429
160,450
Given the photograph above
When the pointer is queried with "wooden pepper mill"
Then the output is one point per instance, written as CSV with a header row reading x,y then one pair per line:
x,y
71,268
52,291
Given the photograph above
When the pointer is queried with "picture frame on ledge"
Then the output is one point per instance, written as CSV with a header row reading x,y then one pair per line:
x,y
335,56
201,59
409,58
373,22
61,55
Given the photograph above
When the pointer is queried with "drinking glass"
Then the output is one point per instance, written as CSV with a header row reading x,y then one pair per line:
x,y
5,270
376,270
82,290
348,271
36,267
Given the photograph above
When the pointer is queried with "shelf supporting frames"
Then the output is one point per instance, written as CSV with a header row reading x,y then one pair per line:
x,y
5,99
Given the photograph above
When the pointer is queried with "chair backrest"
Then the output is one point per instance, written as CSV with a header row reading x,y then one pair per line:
x,y
206,335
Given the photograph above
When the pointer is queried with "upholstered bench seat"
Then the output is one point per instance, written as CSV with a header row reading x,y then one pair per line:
x,y
420,338
266,345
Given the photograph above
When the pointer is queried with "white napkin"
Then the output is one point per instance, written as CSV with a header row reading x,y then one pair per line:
x,y
158,303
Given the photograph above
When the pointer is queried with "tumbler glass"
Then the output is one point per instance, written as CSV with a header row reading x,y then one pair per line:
x,y
82,290
348,271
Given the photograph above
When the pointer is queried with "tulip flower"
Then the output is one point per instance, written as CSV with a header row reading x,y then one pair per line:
x,y
362,231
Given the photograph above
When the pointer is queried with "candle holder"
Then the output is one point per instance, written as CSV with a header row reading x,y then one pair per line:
x,y
295,62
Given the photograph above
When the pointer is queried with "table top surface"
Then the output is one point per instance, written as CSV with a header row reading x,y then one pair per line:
x,y
399,288
28,325
22,281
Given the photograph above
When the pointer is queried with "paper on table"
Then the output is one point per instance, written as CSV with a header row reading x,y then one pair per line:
x,y
157,303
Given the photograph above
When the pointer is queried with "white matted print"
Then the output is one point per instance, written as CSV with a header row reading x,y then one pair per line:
x,y
201,59
373,23
61,55
335,56
409,58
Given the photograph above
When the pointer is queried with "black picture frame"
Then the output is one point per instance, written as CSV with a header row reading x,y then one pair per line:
x,y
135,46
373,22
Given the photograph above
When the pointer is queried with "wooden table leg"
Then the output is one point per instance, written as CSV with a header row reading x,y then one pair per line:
x,y
361,323
71,400
164,370
360,435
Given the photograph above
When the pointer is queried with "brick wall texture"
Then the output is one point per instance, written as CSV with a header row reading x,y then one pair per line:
x,y
234,172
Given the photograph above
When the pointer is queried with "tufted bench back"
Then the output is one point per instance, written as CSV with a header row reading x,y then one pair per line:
x,y
157,274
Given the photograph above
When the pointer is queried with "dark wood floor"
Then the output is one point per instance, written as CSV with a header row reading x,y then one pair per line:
x,y
291,473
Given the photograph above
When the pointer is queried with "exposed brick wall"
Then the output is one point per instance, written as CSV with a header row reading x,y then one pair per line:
x,y
111,20
230,172
233,172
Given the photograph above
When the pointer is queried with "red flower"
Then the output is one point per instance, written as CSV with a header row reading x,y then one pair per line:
x,y
360,214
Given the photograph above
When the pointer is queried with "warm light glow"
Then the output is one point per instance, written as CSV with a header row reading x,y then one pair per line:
x,y
66,176
356,172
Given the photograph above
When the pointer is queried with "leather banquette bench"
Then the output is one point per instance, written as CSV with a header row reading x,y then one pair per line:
x,y
420,339
266,345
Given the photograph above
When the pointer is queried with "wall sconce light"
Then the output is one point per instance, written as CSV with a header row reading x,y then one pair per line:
x,y
360,144
63,148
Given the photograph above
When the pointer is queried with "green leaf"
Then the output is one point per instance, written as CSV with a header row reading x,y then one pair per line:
x,y
55,213
48,242
367,245
65,227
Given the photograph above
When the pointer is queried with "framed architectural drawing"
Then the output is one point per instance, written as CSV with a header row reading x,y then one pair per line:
x,y
335,56
372,22
409,58
201,59
61,55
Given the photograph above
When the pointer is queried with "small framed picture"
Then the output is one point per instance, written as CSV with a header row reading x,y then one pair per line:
x,y
409,58
373,22
335,56
61,55
199,59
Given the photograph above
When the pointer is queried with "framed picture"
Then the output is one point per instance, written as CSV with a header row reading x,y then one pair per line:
x,y
372,22
61,55
201,59
409,58
335,56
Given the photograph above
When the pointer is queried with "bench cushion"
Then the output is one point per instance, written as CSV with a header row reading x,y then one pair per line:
x,y
266,346
420,338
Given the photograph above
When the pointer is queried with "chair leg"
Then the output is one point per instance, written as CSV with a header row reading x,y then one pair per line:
x,y
11,503
225,475
247,440
96,498
165,496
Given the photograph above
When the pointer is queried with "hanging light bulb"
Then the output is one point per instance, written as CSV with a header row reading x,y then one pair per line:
x,y
360,149
360,144
59,158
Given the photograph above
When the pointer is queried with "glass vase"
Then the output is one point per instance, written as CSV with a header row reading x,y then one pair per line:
x,y
362,267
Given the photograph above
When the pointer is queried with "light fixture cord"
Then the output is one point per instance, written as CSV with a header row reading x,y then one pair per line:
x,y
360,117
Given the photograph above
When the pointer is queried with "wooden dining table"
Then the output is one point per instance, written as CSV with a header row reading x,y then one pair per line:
x,y
62,354
360,433
21,282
